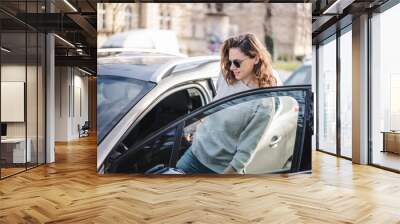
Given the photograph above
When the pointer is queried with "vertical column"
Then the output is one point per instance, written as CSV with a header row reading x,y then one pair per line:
x,y
50,93
338,77
314,89
360,90
92,96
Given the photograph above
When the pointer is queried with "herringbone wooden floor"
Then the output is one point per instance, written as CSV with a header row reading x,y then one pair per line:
x,y
70,191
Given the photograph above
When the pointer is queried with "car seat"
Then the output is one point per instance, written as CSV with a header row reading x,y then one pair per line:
x,y
171,108
166,111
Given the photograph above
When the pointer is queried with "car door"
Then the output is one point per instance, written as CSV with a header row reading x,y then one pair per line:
x,y
278,121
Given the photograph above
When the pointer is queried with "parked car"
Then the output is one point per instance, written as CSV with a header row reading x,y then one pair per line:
x,y
300,76
152,39
149,108
106,52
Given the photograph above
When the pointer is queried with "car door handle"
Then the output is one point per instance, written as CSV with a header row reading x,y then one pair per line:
x,y
274,141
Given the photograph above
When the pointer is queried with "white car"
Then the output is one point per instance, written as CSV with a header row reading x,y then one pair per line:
x,y
149,108
150,39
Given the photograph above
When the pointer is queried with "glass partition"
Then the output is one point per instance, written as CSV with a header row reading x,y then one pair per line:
x,y
14,153
385,89
346,94
327,96
22,89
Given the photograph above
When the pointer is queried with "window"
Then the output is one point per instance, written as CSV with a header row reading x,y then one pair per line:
x,y
385,88
346,94
22,78
101,23
128,18
115,97
165,18
327,96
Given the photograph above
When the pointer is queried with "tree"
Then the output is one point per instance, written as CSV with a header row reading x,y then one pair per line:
x,y
269,41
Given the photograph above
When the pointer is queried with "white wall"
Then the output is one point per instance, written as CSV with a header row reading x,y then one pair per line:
x,y
61,103
33,125
12,100
80,83
14,73
69,82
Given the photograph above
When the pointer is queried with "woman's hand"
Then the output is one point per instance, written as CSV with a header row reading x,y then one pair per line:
x,y
230,170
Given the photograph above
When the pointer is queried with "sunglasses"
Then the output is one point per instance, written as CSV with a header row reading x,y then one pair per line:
x,y
236,62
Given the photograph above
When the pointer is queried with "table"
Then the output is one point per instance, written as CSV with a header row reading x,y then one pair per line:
x,y
13,150
391,141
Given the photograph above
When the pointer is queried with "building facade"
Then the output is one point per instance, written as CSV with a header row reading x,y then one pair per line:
x,y
202,27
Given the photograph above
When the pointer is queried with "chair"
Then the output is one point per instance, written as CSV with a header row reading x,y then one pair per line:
x,y
84,130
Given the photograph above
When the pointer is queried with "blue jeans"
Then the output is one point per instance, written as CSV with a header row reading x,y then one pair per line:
x,y
190,164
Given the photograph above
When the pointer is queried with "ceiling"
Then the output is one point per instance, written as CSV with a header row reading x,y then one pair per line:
x,y
74,22
331,15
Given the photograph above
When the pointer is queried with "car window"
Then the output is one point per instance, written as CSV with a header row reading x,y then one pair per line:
x,y
167,110
115,97
302,76
245,129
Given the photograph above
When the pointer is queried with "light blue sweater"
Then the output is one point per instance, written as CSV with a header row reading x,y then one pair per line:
x,y
230,136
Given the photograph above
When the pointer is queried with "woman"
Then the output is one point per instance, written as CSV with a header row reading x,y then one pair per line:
x,y
217,146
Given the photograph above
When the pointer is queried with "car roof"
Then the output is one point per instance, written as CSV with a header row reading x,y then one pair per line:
x,y
153,68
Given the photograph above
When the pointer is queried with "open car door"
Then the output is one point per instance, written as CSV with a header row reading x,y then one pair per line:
x,y
279,121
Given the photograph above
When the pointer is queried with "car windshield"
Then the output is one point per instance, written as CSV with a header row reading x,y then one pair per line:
x,y
121,83
116,95
301,76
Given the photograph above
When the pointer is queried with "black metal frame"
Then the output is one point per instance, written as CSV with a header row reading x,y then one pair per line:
x,y
0,89
37,93
369,114
26,90
338,98
316,97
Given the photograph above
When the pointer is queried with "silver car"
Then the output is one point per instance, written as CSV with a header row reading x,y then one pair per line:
x,y
300,76
149,106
